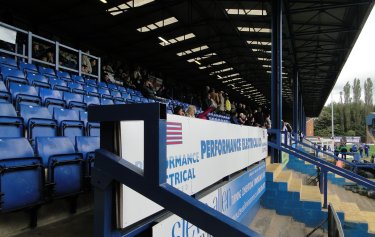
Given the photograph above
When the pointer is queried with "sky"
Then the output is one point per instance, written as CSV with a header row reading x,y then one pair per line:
x,y
361,63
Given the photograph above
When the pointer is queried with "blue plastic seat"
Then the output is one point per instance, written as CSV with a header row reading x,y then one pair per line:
x,y
104,93
91,82
58,84
63,76
21,180
91,100
28,67
91,90
136,99
51,99
38,121
92,128
4,94
106,101
121,89
144,100
46,71
76,87
126,96
24,94
69,123
112,87
87,146
64,165
8,62
116,94
37,80
12,75
78,79
10,124
102,84
74,101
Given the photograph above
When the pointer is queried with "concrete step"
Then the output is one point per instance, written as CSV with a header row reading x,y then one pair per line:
x,y
310,193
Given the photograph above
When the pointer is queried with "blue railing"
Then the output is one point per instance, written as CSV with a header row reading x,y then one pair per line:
x,y
324,166
110,170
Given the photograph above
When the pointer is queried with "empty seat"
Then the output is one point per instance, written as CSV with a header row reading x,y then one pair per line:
x,y
116,94
37,80
91,100
12,75
126,96
51,98
10,124
28,67
49,72
92,128
8,62
24,94
144,100
21,181
78,79
74,101
90,90
121,89
76,87
91,82
63,75
104,93
112,86
102,84
106,101
38,121
87,146
136,99
63,163
4,94
58,84
69,123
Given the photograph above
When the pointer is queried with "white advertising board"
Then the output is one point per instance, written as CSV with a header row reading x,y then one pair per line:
x,y
233,199
199,153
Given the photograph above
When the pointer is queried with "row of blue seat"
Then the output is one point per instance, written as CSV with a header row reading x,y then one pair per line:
x,y
58,169
37,121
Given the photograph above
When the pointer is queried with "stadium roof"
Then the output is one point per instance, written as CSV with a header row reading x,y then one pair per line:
x,y
219,42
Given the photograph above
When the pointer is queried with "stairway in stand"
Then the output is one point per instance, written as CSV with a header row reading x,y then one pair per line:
x,y
288,196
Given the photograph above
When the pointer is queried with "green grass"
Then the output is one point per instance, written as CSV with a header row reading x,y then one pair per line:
x,y
371,151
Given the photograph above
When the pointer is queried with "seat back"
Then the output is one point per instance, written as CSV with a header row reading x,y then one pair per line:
x,y
69,123
38,121
112,86
87,146
68,97
92,128
75,85
63,75
105,101
28,67
65,114
64,165
8,62
78,79
91,100
47,71
12,74
24,94
4,94
103,91
116,94
102,84
10,124
34,77
22,187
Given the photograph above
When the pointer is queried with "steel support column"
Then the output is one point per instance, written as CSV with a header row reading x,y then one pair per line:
x,y
276,83
295,101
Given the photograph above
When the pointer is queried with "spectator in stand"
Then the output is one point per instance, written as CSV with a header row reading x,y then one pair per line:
x,y
49,56
137,77
361,150
94,67
233,118
37,51
336,151
108,73
242,118
241,109
228,107
233,106
178,110
268,123
148,89
86,61
221,102
259,119
343,151
190,112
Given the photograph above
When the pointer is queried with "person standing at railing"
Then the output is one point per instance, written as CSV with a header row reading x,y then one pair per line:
x,y
361,150
86,62
366,147
343,151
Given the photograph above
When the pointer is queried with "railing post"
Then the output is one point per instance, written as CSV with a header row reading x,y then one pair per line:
x,y
99,69
57,55
80,62
325,187
29,47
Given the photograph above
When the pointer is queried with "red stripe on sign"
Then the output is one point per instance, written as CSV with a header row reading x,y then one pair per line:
x,y
174,133
173,123
174,138
174,128
174,143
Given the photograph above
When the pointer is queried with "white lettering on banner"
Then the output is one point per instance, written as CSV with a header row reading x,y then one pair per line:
x,y
206,152
233,205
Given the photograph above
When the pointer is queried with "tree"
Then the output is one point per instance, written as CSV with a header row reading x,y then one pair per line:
x,y
368,92
356,91
347,93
